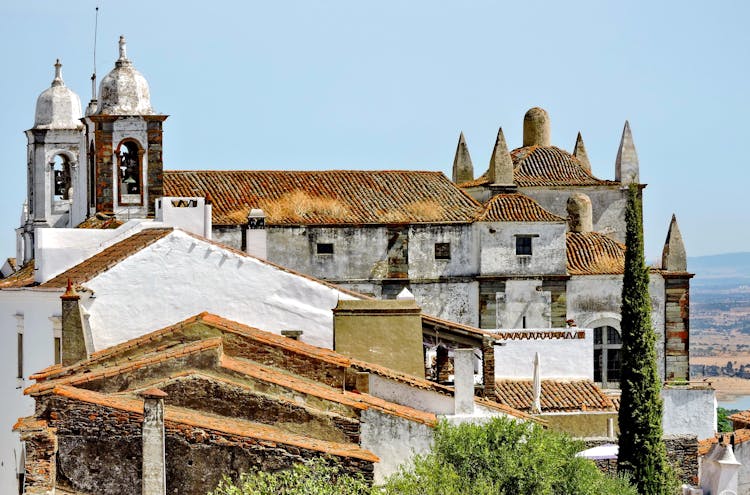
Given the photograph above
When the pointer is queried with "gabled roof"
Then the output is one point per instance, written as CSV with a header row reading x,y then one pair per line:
x,y
516,208
741,435
545,166
108,258
334,197
592,253
557,396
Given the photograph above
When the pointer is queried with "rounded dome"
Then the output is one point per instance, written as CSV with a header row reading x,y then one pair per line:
x,y
58,107
124,91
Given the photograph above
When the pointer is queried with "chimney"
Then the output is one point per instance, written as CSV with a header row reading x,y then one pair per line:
x,y
154,475
207,216
536,128
580,217
488,366
255,242
463,381
384,332
73,340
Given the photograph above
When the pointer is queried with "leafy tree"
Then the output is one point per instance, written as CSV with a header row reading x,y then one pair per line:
x,y
503,457
316,477
642,452
722,417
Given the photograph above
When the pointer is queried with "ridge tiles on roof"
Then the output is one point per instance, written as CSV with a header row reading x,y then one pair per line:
x,y
593,253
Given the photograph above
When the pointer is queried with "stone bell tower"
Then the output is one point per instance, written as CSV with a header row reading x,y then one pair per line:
x,y
56,181
124,138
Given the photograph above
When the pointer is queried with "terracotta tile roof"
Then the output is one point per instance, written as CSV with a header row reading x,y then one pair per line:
x,y
331,197
236,427
100,221
508,410
88,372
545,166
516,208
106,259
21,278
557,396
740,436
741,417
592,253
12,263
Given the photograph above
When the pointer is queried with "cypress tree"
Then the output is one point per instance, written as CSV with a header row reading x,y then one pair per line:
x,y
642,452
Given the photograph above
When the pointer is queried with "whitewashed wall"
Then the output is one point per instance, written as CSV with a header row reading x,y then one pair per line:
x,y
498,248
30,310
182,275
394,440
568,359
689,412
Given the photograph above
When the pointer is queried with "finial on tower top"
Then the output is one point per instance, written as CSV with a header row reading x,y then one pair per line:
x,y
58,81
536,128
463,169
123,49
580,153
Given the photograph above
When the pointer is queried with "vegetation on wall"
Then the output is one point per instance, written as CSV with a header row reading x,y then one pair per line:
x,y
642,451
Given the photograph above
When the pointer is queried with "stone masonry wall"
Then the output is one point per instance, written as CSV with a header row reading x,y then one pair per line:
x,y
99,451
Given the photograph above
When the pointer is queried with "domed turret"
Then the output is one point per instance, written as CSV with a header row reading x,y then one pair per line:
x,y
124,91
58,107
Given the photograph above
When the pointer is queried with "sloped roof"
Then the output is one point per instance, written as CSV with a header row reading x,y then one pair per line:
x,y
21,278
741,417
592,253
100,221
557,396
108,258
236,427
741,435
545,166
333,197
516,208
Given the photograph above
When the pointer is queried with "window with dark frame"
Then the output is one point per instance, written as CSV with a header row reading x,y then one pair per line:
x,y
20,355
324,248
442,250
523,245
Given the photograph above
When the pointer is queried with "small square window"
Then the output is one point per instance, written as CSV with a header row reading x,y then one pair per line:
x,y
325,248
523,245
442,250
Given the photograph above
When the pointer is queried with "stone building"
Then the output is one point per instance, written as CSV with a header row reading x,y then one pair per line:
x,y
534,242
232,398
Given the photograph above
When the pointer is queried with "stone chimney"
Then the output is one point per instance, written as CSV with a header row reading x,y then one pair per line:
x,y
463,381
536,128
255,242
580,216
579,151
154,473
626,165
384,332
73,339
463,169
501,163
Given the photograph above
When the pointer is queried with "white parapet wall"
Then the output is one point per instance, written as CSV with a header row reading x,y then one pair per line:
x,y
689,411
565,353
189,214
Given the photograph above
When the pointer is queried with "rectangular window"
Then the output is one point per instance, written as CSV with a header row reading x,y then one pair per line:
x,y
442,250
523,245
58,350
20,355
325,248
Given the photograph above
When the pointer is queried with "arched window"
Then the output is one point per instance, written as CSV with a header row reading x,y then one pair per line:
x,y
129,163
607,356
61,181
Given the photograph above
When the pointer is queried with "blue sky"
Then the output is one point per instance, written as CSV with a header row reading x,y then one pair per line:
x,y
389,85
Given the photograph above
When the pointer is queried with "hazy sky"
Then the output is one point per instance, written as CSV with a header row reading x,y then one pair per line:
x,y
389,85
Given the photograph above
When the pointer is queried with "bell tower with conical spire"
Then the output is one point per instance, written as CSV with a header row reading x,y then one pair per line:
x,y
124,138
